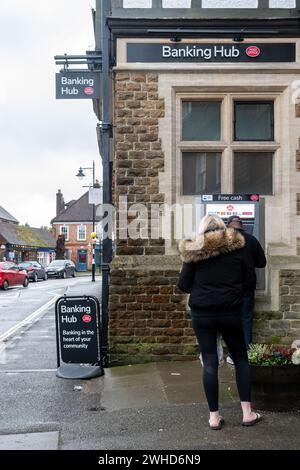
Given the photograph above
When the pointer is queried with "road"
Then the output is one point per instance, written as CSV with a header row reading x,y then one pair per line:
x,y
19,303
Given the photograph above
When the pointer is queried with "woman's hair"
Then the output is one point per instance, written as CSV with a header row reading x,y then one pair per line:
x,y
210,223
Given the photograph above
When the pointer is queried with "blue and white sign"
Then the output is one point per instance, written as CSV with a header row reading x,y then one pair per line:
x,y
77,85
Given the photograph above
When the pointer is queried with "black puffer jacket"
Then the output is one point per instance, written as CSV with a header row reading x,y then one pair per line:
x,y
215,270
255,255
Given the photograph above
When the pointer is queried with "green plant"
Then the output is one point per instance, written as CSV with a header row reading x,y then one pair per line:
x,y
273,355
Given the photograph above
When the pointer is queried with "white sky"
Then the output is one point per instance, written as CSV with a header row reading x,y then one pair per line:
x,y
43,141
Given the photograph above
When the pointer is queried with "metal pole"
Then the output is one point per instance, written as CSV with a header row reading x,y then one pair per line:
x,y
104,6
93,240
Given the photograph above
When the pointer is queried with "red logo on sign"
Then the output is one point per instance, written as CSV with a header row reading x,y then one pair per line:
x,y
253,51
89,90
230,208
87,318
254,197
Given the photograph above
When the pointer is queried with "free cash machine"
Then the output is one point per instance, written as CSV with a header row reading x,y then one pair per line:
x,y
249,207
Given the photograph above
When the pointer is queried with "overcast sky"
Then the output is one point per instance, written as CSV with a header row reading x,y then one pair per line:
x,y
43,141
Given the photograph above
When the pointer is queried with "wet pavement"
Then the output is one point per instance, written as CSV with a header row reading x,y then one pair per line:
x,y
152,406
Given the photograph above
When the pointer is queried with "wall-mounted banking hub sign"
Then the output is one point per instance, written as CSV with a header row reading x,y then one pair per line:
x,y
77,85
262,52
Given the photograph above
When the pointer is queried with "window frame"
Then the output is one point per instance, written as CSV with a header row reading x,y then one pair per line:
x,y
206,154
273,156
227,146
216,100
78,229
237,102
68,231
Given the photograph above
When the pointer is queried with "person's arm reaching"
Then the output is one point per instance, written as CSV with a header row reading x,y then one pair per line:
x,y
186,277
247,272
259,256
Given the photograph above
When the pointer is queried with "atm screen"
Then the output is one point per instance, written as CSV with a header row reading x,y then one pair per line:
x,y
248,226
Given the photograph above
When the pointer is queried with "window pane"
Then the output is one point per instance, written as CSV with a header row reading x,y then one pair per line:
x,y
65,231
254,120
253,173
201,173
81,233
201,120
229,4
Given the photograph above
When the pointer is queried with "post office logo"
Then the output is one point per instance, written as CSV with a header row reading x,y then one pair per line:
x,y
253,51
87,318
89,90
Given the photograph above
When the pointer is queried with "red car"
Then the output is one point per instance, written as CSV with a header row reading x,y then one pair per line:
x,y
12,275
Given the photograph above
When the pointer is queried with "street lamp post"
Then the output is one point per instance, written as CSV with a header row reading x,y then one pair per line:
x,y
80,175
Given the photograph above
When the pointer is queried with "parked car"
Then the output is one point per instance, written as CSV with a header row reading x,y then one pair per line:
x,y
34,270
61,268
12,275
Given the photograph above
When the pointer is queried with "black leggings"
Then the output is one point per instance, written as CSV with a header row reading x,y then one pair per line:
x,y
230,326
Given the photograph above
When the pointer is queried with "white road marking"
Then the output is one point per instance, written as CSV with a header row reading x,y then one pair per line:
x,y
33,316
2,353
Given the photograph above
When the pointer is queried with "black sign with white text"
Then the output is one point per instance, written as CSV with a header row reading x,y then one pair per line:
x,y
77,85
78,330
230,197
253,53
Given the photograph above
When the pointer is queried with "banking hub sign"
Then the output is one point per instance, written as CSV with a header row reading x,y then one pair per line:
x,y
245,52
77,85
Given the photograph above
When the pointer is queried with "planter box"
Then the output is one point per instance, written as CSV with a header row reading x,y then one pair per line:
x,y
276,388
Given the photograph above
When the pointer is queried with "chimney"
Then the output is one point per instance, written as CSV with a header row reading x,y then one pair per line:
x,y
60,203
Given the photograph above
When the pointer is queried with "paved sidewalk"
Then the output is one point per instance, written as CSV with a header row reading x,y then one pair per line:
x,y
152,406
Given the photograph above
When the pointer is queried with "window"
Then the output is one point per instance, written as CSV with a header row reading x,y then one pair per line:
x,y
254,120
230,4
201,173
43,258
201,120
253,173
216,157
64,230
81,232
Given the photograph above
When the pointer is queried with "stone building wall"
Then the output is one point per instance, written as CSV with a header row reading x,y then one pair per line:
x,y
149,319
282,326
148,315
138,153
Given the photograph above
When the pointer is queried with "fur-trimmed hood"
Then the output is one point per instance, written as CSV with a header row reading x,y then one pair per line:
x,y
211,245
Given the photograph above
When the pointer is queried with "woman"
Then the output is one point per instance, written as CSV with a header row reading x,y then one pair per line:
x,y
215,273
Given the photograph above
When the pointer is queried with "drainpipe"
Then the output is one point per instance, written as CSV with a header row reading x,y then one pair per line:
x,y
104,131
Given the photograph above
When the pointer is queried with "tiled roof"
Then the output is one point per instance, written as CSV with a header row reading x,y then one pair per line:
x,y
78,211
26,236
4,215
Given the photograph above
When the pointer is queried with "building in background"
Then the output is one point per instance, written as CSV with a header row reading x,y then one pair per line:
x,y
74,220
205,101
7,217
23,243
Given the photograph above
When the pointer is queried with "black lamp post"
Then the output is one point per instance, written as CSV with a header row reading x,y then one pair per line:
x,y
80,175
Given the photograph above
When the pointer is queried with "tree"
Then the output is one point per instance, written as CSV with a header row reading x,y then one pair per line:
x,y
60,247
